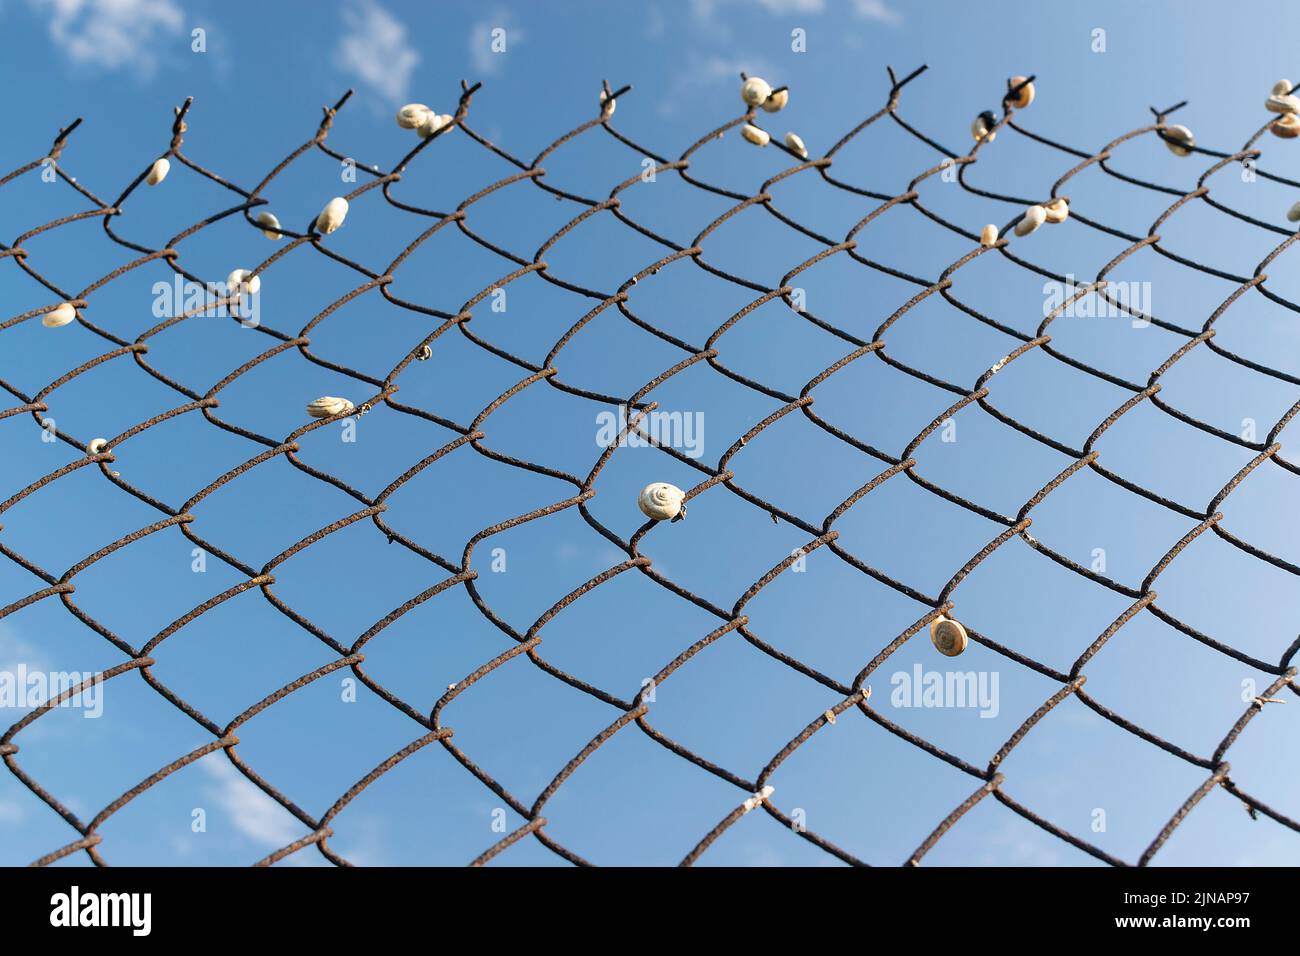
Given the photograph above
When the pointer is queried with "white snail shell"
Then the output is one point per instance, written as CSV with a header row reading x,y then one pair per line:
x,y
1058,210
59,315
755,90
158,171
989,236
1025,96
795,144
948,636
1286,126
238,281
776,101
412,115
327,406
661,501
1034,217
433,123
1180,140
607,105
268,219
1281,88
96,446
332,216
981,132
1293,214
759,137
1282,103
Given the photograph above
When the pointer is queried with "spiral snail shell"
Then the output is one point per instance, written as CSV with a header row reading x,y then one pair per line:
x,y
989,236
662,501
1034,217
327,406
795,145
759,137
776,101
1281,88
158,171
60,315
755,91
1058,210
1180,140
982,128
332,216
268,220
1024,96
1293,214
412,115
1286,126
238,281
433,123
96,446
607,105
1282,103
948,636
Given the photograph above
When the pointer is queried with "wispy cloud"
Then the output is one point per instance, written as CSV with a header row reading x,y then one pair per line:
x,y
877,10
487,47
700,71
374,49
112,34
251,812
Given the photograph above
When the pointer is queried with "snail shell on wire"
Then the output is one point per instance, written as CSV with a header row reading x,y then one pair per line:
x,y
662,501
948,636
412,115
755,91
96,446
1034,217
776,101
158,171
1281,88
328,406
759,137
1058,210
238,281
268,219
58,316
795,145
1293,214
332,216
1180,140
607,105
1024,97
982,128
1282,103
989,236
433,123
1286,126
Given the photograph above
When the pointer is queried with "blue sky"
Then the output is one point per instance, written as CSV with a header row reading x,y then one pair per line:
x,y
258,88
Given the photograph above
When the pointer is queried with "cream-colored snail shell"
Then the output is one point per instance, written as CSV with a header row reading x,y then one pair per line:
x,y
759,137
433,123
238,281
948,636
1282,103
776,101
58,316
1034,217
96,446
661,501
1293,214
981,129
158,171
327,406
332,216
1024,97
989,236
795,144
1058,210
1180,140
412,115
607,105
1286,126
755,91
268,219
1281,88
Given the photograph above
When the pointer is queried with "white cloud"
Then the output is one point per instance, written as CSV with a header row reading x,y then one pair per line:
x,y
112,33
877,10
252,812
375,50
482,38
11,812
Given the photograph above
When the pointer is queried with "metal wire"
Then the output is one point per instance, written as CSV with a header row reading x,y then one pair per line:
x,y
188,516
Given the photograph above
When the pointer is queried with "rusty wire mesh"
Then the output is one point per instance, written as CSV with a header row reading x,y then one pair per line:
x,y
751,792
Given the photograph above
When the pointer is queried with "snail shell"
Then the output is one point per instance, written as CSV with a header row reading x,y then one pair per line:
x,y
1282,103
661,501
332,216
1034,217
755,91
1281,88
238,281
948,636
1023,98
795,144
1058,210
982,128
412,115
776,101
158,171
759,137
1180,140
1286,126
96,446
268,219
989,236
328,406
1293,214
60,315
433,123
607,105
